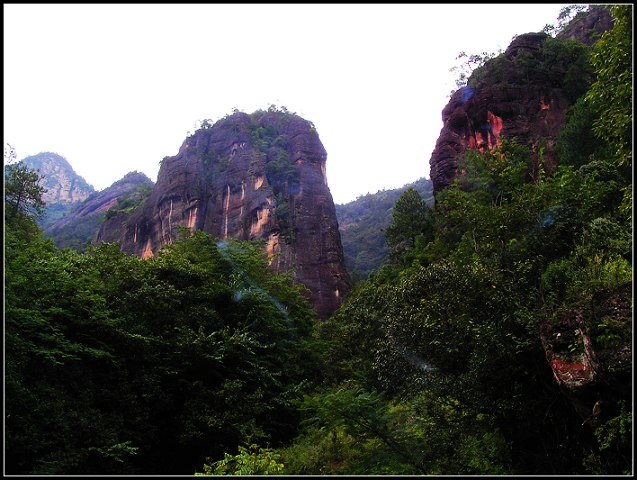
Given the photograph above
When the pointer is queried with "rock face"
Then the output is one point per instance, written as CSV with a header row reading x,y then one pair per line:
x,y
523,94
250,177
586,28
80,226
101,202
589,368
62,183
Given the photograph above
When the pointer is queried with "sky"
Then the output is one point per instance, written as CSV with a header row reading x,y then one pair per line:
x,y
115,88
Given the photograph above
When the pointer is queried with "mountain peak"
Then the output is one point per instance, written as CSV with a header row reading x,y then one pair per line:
x,y
62,183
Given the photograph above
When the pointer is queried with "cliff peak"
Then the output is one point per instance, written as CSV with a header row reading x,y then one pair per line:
x,y
523,93
258,176
62,184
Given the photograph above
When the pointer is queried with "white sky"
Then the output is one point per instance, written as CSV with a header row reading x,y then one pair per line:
x,y
115,88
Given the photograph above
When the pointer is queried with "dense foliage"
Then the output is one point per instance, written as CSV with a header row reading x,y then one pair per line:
x,y
613,60
457,318
435,365
116,365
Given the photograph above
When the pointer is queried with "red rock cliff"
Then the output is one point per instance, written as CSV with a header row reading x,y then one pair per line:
x,y
250,177
524,94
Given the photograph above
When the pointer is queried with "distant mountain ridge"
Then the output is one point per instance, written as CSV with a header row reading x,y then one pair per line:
x,y
79,226
362,222
76,224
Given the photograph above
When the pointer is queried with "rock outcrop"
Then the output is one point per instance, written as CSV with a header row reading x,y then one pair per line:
x,y
64,189
62,184
523,94
587,27
589,349
249,177
102,201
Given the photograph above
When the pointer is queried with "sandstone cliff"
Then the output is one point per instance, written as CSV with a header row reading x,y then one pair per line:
x,y
250,177
524,94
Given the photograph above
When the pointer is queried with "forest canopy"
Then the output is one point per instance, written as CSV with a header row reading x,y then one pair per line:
x,y
202,360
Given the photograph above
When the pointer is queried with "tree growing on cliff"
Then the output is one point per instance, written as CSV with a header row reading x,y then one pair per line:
x,y
468,64
566,15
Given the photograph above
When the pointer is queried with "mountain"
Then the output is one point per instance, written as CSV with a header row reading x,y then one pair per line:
x,y
523,93
250,177
64,187
79,226
362,222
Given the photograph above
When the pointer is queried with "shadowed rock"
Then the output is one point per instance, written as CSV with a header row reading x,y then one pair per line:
x,y
250,177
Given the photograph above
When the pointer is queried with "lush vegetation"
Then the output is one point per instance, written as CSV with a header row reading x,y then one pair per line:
x,y
361,223
116,365
437,365
201,360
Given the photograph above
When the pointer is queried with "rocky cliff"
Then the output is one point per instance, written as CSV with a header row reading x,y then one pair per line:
x,y
79,227
62,184
588,27
523,93
65,189
589,349
250,177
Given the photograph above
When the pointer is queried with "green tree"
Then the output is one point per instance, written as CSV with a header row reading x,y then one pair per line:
x,y
118,365
253,460
22,193
510,247
565,16
613,59
350,430
411,218
470,63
